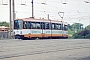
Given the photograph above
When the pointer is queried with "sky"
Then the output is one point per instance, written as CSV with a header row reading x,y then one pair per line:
x,y
75,11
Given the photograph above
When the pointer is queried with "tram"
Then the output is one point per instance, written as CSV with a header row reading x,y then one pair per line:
x,y
31,28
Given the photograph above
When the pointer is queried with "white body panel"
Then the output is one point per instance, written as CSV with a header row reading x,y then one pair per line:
x,y
22,31
56,31
46,31
36,31
27,31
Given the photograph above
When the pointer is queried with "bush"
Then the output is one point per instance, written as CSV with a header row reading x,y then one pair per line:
x,y
87,36
83,34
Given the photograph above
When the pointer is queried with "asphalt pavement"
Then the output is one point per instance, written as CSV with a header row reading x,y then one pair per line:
x,y
46,49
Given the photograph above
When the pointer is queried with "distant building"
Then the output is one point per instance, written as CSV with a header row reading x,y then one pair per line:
x,y
3,28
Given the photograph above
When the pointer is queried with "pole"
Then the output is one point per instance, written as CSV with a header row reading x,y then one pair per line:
x,y
48,16
13,14
10,17
32,10
13,7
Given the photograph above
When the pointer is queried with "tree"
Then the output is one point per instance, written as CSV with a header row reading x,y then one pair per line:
x,y
88,27
80,33
77,26
4,24
69,27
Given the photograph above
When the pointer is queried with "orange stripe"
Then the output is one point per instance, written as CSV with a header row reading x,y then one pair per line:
x,y
27,35
45,35
36,35
56,35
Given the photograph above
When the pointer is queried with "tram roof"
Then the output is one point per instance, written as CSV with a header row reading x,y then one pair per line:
x,y
40,20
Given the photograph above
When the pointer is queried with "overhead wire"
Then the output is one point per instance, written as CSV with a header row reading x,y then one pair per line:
x,y
77,9
55,7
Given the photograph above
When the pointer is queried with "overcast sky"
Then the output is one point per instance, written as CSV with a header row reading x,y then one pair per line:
x,y
75,11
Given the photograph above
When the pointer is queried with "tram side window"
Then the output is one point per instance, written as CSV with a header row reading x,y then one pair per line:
x,y
26,25
57,26
65,27
50,25
60,27
42,25
38,25
47,26
33,25
53,25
